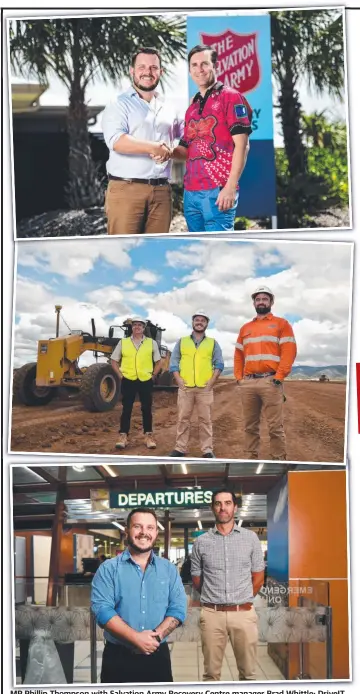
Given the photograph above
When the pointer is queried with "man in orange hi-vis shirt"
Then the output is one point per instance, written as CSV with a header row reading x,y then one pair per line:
x,y
264,354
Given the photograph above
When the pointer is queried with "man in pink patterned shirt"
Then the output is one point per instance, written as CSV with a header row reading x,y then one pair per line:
x,y
214,145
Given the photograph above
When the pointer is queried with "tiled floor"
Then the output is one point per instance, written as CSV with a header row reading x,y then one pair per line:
x,y
187,663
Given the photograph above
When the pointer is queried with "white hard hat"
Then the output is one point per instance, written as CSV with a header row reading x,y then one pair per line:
x,y
137,319
263,290
202,313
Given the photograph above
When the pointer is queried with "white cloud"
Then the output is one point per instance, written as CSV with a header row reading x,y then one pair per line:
x,y
74,258
35,309
146,277
321,342
109,299
311,283
174,326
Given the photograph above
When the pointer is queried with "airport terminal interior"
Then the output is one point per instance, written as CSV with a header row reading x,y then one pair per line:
x,y
66,518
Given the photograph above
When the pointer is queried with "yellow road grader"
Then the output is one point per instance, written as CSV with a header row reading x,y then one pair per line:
x,y
98,385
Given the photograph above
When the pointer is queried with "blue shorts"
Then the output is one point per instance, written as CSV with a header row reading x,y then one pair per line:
x,y
201,213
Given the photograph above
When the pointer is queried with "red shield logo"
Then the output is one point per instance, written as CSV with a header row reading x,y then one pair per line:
x,y
238,59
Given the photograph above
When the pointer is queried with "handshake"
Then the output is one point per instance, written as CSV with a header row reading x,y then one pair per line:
x,y
161,152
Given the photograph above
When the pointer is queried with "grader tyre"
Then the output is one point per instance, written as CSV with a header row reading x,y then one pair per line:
x,y
100,388
25,390
165,381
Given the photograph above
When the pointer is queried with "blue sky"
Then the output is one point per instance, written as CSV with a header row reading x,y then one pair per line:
x,y
166,280
104,273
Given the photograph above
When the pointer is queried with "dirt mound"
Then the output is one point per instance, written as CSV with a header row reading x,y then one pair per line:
x,y
314,425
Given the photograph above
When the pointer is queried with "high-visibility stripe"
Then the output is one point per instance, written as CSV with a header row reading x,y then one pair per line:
x,y
262,357
237,346
286,339
262,338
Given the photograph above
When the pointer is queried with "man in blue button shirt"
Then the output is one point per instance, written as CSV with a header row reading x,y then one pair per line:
x,y
139,126
138,599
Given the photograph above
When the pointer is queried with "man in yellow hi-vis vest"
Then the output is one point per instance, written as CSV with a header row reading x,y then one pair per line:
x,y
137,361
196,363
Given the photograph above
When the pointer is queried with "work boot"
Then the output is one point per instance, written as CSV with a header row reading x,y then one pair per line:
x,y
209,454
122,441
177,454
149,440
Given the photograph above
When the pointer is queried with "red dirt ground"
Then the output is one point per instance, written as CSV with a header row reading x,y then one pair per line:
x,y
314,425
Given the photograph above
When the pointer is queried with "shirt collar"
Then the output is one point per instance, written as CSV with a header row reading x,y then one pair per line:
x,y
268,316
235,528
133,92
126,556
193,338
217,87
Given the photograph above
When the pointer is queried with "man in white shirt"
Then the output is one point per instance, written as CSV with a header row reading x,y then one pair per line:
x,y
138,127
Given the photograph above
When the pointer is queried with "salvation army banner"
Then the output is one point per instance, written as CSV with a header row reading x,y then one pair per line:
x,y
243,45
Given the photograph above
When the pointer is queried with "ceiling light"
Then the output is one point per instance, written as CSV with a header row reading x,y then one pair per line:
x,y
78,468
160,526
259,468
184,468
118,525
109,470
199,525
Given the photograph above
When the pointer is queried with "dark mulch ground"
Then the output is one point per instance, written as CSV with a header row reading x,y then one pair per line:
x,y
92,222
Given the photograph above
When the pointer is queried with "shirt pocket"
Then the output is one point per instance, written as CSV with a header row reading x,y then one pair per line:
x,y
161,592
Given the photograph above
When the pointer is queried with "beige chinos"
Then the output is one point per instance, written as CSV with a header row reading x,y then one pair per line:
x,y
242,630
257,394
201,400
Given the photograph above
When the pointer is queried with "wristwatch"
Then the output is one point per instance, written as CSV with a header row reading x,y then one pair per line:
x,y
277,382
158,638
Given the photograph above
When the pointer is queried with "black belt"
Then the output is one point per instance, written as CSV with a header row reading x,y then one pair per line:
x,y
265,375
149,181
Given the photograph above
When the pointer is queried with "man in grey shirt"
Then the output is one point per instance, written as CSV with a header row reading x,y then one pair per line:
x,y
139,126
227,568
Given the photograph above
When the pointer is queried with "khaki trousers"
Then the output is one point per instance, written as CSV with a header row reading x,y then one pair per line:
x,y
138,208
257,394
201,400
215,628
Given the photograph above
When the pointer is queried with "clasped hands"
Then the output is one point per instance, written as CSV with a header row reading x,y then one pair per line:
x,y
161,152
147,642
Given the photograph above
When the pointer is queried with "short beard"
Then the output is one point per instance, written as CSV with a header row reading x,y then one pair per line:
x,y
263,310
220,521
141,87
199,330
140,550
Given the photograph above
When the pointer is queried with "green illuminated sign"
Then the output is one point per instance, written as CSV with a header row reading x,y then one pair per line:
x,y
169,498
